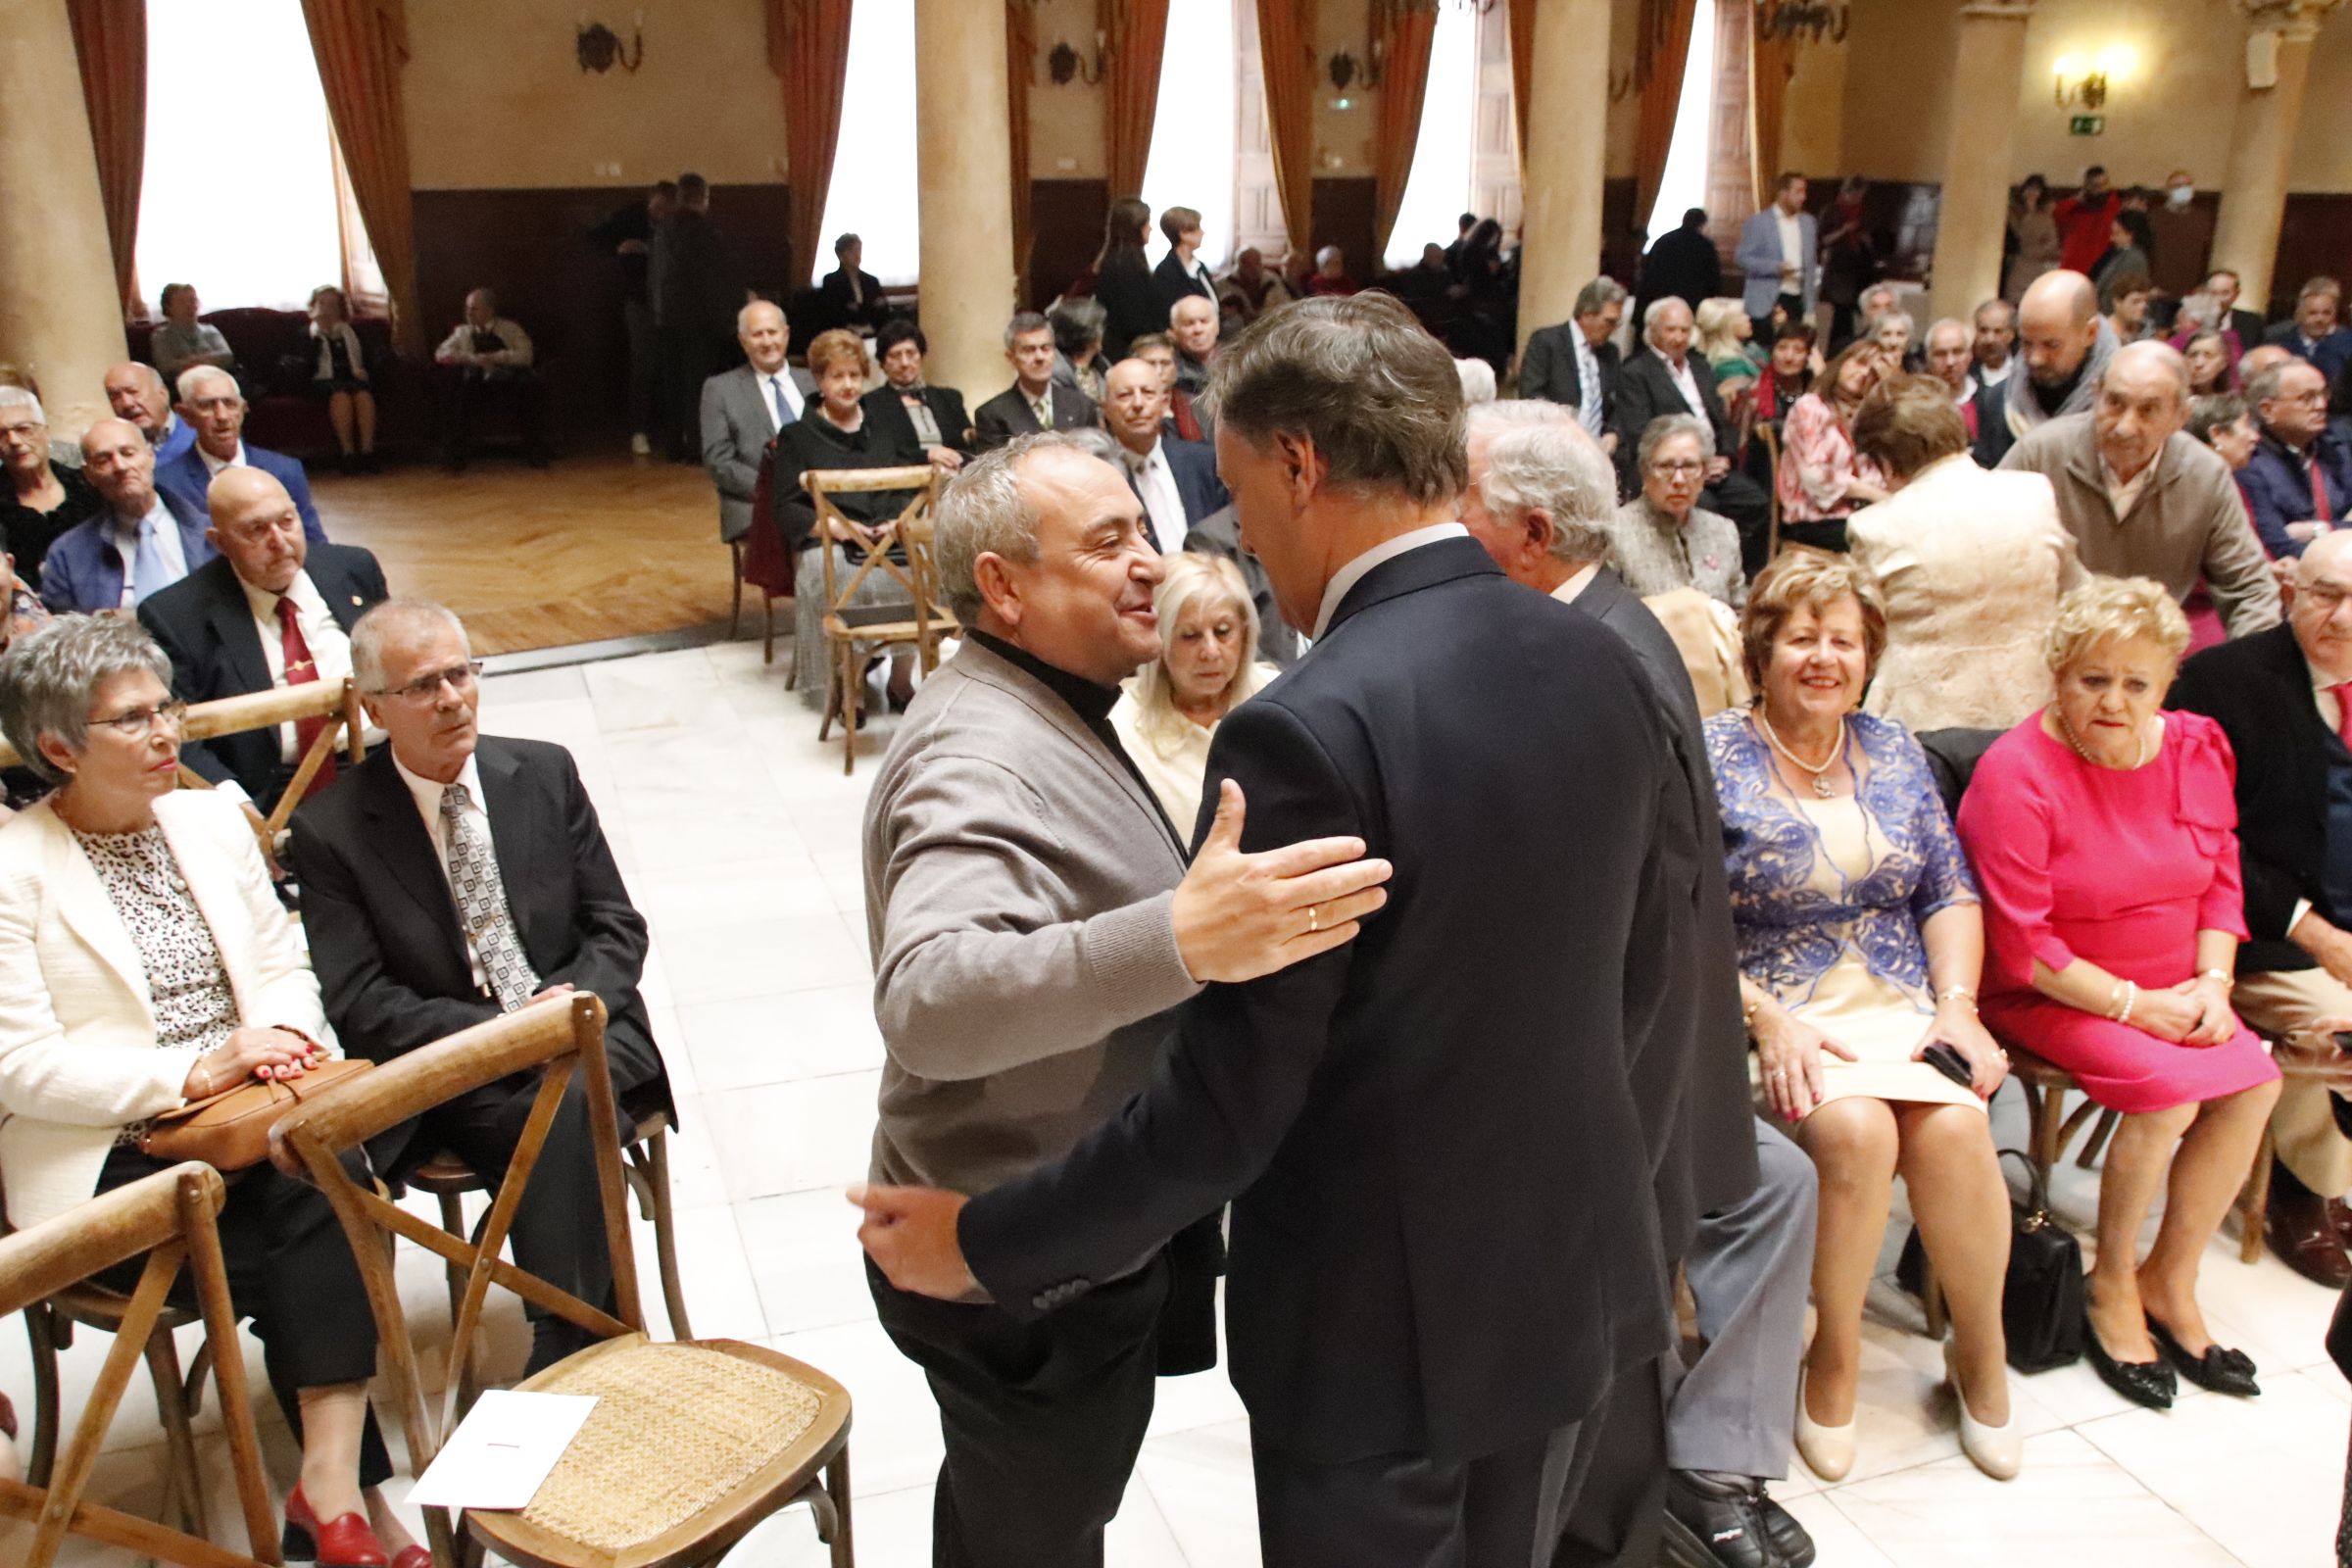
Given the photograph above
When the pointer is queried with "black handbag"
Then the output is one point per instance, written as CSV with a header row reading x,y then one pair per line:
x,y
2042,1297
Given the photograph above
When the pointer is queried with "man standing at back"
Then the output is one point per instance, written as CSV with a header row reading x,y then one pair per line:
x,y
1778,255
1445,1244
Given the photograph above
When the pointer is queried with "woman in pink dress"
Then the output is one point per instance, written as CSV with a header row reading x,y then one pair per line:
x,y
1821,481
2104,838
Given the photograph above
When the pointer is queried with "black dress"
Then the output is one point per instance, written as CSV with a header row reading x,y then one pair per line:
x,y
813,441
1130,302
28,533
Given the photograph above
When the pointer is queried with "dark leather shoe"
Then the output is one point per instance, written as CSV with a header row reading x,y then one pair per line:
x,y
2303,1233
1713,1523
2216,1371
2339,1215
2146,1383
1788,1538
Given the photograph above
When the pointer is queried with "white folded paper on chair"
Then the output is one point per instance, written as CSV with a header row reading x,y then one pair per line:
x,y
502,1451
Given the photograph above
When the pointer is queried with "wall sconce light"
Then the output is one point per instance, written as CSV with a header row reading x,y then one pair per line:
x,y
1065,65
601,49
2087,84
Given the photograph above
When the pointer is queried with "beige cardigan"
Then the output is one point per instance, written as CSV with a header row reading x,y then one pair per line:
x,y
77,1054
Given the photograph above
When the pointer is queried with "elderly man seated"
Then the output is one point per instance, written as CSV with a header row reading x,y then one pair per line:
x,y
2141,496
210,401
137,393
2298,483
745,407
1576,362
1666,377
1035,401
1175,479
484,363
2317,331
140,542
271,610
2281,696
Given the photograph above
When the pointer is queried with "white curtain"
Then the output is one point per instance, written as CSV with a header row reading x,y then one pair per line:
x,y
1191,161
874,193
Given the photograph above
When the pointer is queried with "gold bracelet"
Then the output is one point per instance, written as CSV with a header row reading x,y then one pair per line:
x,y
1957,994
2221,977
1749,1012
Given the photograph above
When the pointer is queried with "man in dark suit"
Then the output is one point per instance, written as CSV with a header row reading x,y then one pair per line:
x,y
2299,480
271,610
2281,698
139,542
1682,264
1576,362
2317,330
1035,401
453,878
1445,1242
209,400
1175,479
852,296
696,291
628,235
934,415
2225,287
1666,377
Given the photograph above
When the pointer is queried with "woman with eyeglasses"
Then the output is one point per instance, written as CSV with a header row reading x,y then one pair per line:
x,y
146,963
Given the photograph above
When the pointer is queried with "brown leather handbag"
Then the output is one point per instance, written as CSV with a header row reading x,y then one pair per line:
x,y
230,1130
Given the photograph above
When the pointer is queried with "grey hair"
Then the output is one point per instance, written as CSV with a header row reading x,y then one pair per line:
x,y
1909,326
1996,304
1953,321
50,676
1478,381
1665,427
18,397
1181,300
2264,388
193,377
743,317
1098,442
1025,322
387,621
1539,459
1659,307
1598,296
1327,253
983,511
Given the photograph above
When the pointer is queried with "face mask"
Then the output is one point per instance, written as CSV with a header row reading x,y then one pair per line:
x,y
2180,195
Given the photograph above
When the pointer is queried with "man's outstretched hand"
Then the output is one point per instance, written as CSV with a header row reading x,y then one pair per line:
x,y
910,1232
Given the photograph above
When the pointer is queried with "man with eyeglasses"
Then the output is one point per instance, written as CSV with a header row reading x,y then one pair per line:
x,y
2284,698
453,878
139,542
2298,483
210,401
271,610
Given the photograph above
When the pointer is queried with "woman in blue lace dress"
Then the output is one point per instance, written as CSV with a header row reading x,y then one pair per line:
x,y
1860,945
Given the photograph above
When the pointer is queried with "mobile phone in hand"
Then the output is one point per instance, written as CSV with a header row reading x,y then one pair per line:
x,y
1948,1062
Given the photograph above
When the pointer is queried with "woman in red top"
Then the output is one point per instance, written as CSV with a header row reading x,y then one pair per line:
x,y
2104,836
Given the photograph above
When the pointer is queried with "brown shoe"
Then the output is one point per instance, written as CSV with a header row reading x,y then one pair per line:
x,y
2304,1234
2339,1214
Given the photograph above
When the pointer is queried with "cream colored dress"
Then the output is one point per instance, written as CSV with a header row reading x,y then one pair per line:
x,y
1174,757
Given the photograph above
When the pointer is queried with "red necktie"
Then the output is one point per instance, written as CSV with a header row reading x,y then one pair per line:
x,y
300,671
2318,491
2343,713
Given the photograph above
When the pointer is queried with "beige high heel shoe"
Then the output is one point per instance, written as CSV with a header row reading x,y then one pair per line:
x,y
1828,1450
1999,1452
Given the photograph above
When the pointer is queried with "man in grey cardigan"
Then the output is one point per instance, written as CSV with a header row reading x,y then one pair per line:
x,y
1033,926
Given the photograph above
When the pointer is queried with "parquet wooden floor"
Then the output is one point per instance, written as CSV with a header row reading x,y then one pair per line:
x,y
592,548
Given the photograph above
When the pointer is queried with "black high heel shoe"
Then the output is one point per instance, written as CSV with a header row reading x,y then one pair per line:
x,y
2143,1382
2216,1371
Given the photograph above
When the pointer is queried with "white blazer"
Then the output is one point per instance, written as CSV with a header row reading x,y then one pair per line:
x,y
77,1053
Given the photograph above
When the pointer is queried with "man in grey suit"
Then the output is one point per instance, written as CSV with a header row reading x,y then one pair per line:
x,y
1576,362
1035,926
1780,253
1035,401
742,410
1541,499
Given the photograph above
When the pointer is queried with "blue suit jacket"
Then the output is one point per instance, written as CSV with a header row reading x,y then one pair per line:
x,y
1195,466
181,437
186,478
2277,489
83,571
1759,256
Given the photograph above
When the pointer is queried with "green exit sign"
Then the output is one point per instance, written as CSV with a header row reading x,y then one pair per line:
x,y
2087,124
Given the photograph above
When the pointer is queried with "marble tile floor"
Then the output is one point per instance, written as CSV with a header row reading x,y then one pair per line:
x,y
739,836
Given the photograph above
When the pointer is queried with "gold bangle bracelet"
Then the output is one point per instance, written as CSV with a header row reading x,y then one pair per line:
x,y
2221,977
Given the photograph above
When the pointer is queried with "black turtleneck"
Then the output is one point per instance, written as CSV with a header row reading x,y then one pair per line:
x,y
1091,700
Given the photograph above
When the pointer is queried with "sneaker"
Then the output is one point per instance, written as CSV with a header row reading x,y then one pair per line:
x,y
1714,1522
1789,1537
639,446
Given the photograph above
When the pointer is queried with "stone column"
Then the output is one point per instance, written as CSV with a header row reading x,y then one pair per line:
x,y
1566,157
964,160
2246,236
59,316
1979,142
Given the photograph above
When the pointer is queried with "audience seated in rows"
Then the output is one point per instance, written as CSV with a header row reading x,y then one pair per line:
x,y
44,497
1665,377
745,409
852,296
2103,836
1576,362
2299,482
1820,478
2066,345
180,342
936,421
2316,332
139,542
1170,711
1185,417
339,377
486,363
1663,539
1969,564
1078,361
209,400
1035,401
2212,366
271,610
1175,479
137,393
1181,274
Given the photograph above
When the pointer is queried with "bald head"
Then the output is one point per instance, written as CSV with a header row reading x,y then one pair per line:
x,y
2142,401
2255,361
256,526
2319,605
2057,323
116,458
1134,403
759,328
1951,347
136,392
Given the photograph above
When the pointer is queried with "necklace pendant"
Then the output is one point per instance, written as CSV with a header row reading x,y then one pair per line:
x,y
1822,787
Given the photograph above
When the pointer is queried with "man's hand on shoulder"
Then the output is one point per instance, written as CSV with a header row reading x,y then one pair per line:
x,y
910,1232
1239,916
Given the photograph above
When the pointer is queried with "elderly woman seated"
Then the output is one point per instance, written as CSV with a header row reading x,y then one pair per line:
x,y
44,497
1859,948
2105,833
1207,667
1663,539
145,962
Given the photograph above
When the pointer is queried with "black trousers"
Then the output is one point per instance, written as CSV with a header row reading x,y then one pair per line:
x,y
1739,498
691,354
1043,1420
645,363
1617,1518
290,1270
468,392
1828,534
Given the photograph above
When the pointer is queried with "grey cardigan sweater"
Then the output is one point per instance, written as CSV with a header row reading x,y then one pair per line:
x,y
1019,889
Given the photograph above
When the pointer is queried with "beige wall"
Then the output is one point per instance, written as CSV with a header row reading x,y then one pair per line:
x,y
496,96
1065,123
2324,141
1813,111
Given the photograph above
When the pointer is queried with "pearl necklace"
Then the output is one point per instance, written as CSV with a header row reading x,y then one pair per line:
x,y
1822,787
2075,741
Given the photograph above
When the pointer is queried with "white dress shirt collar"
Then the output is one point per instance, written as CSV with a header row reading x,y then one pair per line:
x,y
781,378
1566,593
1163,505
1685,383
213,465
1388,550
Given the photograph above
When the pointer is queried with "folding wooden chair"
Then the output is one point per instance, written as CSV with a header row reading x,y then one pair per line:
x,y
1772,453
901,550
691,1444
169,1216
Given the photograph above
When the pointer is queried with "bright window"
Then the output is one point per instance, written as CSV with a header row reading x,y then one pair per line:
x,y
1683,186
1191,161
240,192
874,193
1437,190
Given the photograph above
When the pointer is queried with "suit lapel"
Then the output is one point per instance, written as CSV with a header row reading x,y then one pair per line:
x,y
83,903
405,851
231,616
511,825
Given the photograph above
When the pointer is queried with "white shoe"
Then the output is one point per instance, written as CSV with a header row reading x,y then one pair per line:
x,y
1999,1452
1829,1451
639,446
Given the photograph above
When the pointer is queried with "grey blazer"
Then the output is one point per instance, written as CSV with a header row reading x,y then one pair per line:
x,y
1020,897
735,431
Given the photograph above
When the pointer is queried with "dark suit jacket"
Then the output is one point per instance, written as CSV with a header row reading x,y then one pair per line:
x,y
2258,689
1194,465
83,570
694,276
2278,488
1548,369
1682,264
1007,415
205,623
1174,283
1130,302
1444,1237
874,308
385,932
186,479
884,404
2248,324
1646,391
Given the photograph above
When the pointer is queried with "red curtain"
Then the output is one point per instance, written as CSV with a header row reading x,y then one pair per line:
x,y
1660,52
110,38
1020,58
809,47
1286,42
362,46
1138,35
1770,64
1523,66
1406,29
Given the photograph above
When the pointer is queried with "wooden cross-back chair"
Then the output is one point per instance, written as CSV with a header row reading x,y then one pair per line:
x,y
170,1218
899,547
691,1444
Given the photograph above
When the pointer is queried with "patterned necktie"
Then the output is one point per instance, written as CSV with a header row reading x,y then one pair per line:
x,y
482,903
301,670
